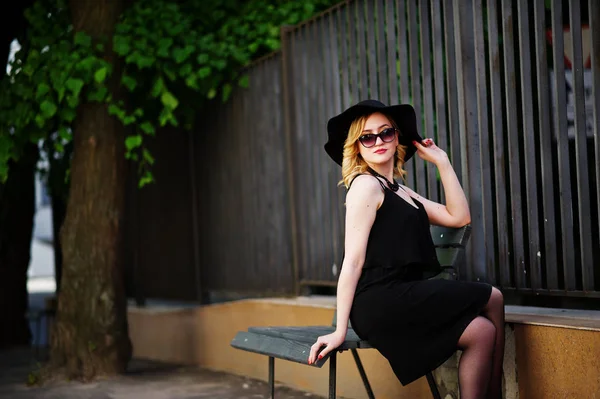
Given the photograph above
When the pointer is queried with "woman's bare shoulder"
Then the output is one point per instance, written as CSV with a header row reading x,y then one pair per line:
x,y
365,188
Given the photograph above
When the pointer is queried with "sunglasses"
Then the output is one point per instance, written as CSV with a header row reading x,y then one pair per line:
x,y
386,135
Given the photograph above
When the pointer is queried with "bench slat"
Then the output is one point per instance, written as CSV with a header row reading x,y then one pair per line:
x,y
277,347
448,257
449,236
309,334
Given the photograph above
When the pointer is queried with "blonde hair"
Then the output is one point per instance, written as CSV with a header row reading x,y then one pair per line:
x,y
353,163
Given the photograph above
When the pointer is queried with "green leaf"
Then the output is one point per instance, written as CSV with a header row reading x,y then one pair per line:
x,y
133,142
100,75
202,59
121,45
164,44
64,133
115,110
148,157
147,128
158,88
81,39
98,95
40,121
67,114
182,54
146,179
42,89
75,85
169,100
204,72
226,92
211,93
144,61
191,82
244,81
48,109
220,64
129,82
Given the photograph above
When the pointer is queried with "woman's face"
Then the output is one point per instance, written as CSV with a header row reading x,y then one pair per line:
x,y
380,152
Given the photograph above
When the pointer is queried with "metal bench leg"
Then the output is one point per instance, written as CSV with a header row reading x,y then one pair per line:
x,y
332,366
272,377
362,373
433,386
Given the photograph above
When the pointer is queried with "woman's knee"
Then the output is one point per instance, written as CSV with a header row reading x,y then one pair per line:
x,y
480,332
496,301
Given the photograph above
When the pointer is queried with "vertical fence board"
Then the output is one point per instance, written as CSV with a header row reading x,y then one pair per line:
x,y
581,155
345,80
418,166
427,86
288,67
328,99
334,106
302,131
353,53
382,65
441,131
402,47
370,28
562,146
315,233
545,140
594,17
497,133
513,129
363,55
469,130
452,91
390,31
531,224
484,253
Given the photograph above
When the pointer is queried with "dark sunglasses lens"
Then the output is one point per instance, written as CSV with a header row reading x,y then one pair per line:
x,y
368,140
388,135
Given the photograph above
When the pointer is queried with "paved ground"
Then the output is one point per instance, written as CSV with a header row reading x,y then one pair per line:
x,y
145,380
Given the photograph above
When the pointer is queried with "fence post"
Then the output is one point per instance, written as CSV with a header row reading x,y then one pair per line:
x,y
289,122
472,126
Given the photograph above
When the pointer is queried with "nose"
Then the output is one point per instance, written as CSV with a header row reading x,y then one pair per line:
x,y
378,140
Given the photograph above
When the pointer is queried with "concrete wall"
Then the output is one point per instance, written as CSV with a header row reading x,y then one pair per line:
x,y
540,361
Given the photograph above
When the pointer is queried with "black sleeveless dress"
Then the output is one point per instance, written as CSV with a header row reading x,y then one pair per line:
x,y
415,323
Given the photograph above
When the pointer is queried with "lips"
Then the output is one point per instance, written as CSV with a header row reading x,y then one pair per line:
x,y
380,151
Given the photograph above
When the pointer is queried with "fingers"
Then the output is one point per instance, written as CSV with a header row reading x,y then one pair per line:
x,y
312,357
423,144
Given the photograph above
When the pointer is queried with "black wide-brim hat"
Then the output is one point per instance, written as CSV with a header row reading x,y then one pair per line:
x,y
403,115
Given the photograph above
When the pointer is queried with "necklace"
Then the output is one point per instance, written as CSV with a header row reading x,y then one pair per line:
x,y
391,184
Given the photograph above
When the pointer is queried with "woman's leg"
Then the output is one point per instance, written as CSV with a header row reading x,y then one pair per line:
x,y
494,311
477,344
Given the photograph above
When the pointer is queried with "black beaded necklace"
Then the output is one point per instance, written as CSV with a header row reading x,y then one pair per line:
x,y
391,184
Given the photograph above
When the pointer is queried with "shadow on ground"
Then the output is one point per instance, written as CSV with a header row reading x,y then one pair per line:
x,y
144,379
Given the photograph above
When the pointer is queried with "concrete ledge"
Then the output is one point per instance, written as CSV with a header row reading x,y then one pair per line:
x,y
549,352
550,317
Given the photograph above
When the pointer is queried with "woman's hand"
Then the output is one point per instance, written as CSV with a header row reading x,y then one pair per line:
x,y
428,151
330,341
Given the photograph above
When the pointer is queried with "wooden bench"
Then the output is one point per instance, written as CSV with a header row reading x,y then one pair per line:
x,y
293,343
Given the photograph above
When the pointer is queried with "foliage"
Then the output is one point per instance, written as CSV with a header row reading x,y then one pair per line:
x,y
176,55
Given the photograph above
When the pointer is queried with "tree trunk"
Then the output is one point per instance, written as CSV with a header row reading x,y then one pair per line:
x,y
90,336
17,208
59,192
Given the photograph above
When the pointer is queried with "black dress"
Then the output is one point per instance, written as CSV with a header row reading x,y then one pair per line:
x,y
413,322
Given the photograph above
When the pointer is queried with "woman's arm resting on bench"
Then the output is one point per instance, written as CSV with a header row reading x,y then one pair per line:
x,y
362,202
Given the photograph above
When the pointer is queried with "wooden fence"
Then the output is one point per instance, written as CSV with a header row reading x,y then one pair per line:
x,y
491,83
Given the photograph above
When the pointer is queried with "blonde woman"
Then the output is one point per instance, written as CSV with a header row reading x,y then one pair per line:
x,y
384,287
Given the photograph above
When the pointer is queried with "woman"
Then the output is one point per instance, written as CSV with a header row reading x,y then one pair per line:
x,y
383,287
